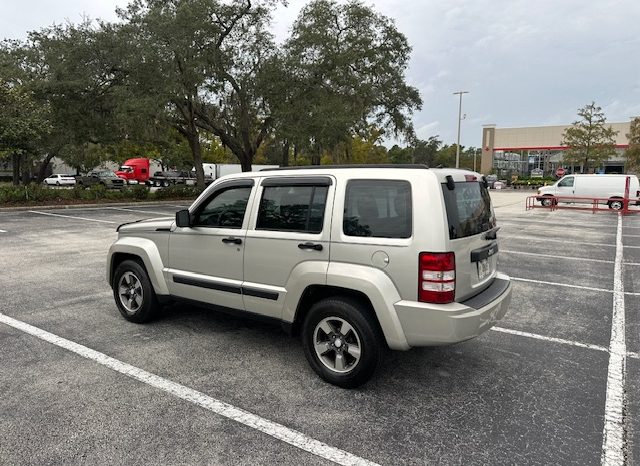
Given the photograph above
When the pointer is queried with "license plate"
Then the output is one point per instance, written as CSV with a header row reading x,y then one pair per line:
x,y
484,269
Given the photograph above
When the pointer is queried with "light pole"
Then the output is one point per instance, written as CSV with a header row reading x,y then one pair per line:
x,y
459,121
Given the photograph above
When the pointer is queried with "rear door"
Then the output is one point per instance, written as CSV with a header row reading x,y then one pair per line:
x,y
472,235
289,238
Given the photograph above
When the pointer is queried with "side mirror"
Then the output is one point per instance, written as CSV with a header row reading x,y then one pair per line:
x,y
183,218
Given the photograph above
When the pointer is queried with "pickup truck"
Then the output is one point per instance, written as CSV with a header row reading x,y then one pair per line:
x,y
105,178
170,177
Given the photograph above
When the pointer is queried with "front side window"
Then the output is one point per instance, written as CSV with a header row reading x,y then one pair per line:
x,y
225,210
378,208
566,182
292,208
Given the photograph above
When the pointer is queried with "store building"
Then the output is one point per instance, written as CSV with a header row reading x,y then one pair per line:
x,y
518,151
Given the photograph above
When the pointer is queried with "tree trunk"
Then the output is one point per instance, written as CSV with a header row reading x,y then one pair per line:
x,y
285,154
42,171
317,157
26,170
15,162
196,151
245,161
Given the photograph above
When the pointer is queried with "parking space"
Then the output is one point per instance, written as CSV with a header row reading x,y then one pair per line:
x,y
534,390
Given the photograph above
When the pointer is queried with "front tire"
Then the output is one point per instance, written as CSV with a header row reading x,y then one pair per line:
x,y
341,341
133,292
547,201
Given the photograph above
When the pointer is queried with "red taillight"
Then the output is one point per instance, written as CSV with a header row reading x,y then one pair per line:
x,y
437,277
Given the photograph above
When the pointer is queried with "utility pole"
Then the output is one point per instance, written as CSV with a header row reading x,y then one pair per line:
x,y
459,121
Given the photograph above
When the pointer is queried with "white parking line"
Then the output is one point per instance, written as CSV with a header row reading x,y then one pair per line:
x,y
555,256
526,222
164,214
553,339
273,429
564,241
70,216
3,231
562,341
613,442
541,282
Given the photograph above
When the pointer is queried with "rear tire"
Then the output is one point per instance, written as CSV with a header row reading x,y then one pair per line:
x,y
133,292
341,341
616,204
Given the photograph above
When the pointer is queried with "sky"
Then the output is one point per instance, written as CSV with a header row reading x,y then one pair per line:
x,y
523,62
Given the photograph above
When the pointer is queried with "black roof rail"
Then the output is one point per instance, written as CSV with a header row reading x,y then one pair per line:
x,y
332,167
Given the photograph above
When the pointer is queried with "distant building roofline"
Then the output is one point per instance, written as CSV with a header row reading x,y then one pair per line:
x,y
617,146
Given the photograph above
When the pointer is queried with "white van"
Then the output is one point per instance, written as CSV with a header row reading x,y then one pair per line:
x,y
611,187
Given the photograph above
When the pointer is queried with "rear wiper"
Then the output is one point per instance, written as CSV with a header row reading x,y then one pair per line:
x,y
492,234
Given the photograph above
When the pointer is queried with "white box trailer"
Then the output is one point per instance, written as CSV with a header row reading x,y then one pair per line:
x,y
216,170
611,188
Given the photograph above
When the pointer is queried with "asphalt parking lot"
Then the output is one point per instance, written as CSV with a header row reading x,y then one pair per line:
x,y
558,382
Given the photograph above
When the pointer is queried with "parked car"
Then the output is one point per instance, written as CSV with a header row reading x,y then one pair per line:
x,y
353,259
60,180
106,178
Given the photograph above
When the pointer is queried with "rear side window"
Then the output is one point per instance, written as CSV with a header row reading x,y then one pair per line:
x,y
292,208
378,208
468,209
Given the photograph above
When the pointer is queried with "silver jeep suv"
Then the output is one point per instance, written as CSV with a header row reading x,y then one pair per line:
x,y
351,258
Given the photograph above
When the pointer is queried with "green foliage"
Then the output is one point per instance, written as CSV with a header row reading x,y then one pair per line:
x,y
139,192
34,194
400,155
426,152
533,182
589,140
341,72
188,81
632,154
177,192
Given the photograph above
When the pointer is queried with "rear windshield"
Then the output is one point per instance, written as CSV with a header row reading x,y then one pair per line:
x,y
469,209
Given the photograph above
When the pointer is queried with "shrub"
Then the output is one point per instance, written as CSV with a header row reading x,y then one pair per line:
x,y
39,194
139,191
177,191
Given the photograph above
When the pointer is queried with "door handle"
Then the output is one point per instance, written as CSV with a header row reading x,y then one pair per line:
x,y
315,247
232,240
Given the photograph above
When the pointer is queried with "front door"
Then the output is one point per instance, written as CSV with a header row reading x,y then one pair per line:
x,y
205,259
566,186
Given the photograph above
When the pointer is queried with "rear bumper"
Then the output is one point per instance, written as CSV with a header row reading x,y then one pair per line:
x,y
441,324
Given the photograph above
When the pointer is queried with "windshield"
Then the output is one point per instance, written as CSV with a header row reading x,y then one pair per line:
x,y
469,209
126,169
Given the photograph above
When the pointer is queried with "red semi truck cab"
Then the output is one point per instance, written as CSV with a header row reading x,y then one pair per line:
x,y
134,170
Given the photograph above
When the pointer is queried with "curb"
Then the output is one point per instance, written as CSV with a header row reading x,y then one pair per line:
x,y
84,206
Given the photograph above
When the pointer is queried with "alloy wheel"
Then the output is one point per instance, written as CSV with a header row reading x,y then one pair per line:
x,y
130,292
337,344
